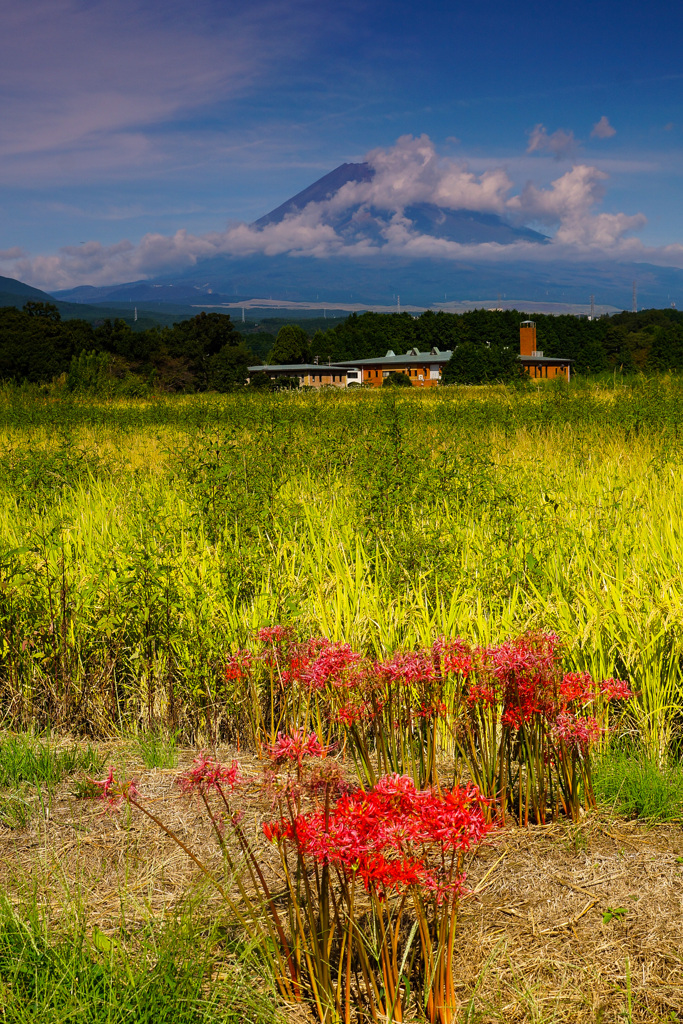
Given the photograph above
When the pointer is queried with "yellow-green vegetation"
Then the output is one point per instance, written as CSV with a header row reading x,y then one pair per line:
x,y
142,540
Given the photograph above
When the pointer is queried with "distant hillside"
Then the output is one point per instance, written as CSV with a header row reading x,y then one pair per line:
x,y
151,294
16,293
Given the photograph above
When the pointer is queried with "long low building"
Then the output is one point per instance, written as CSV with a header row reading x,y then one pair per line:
x,y
422,368
311,375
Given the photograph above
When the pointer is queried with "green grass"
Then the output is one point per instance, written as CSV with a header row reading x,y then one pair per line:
x,y
158,750
633,786
15,812
171,975
26,758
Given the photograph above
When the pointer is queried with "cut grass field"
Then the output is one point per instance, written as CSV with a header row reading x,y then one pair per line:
x,y
105,919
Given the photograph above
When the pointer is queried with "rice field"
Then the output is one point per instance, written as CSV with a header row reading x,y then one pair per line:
x,y
142,541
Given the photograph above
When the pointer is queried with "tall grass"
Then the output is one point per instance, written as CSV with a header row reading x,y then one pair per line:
x,y
141,540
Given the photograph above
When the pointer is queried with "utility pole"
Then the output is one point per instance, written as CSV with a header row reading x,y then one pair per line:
x,y
635,302
592,307
398,303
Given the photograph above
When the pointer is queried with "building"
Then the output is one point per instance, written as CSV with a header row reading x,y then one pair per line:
x,y
534,362
422,368
312,375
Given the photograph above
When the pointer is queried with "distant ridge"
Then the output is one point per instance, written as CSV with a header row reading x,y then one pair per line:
x,y
16,293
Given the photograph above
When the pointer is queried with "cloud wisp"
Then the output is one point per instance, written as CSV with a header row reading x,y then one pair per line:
x,y
560,144
602,129
95,88
371,217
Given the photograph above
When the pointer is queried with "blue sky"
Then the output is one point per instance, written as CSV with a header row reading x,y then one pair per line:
x,y
136,135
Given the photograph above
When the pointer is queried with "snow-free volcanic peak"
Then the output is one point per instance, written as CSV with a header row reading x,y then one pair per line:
x,y
356,220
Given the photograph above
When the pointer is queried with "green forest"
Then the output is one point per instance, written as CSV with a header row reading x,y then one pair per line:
x,y
208,352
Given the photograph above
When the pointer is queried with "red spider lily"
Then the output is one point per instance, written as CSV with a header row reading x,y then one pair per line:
x,y
487,694
405,846
434,710
238,665
351,713
273,634
295,747
105,785
409,668
114,793
453,655
321,663
576,731
361,831
615,689
208,774
577,686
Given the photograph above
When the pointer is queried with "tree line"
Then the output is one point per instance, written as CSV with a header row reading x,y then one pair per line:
x,y
207,352
203,353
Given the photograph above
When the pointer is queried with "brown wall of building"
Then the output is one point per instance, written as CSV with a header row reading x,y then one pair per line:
x,y
527,340
544,372
374,375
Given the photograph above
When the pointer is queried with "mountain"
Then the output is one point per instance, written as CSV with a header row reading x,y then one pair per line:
x,y
379,277
361,220
421,282
151,293
320,191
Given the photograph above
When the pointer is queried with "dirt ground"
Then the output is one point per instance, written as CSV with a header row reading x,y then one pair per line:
x,y
564,923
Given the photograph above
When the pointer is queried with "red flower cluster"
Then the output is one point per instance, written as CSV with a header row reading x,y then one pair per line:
x,y
238,665
615,689
112,792
522,678
295,747
408,668
208,774
273,634
576,731
393,836
452,655
320,663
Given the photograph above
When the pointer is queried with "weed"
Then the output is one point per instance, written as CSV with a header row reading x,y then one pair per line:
x,y
27,758
613,913
166,976
634,786
15,813
158,750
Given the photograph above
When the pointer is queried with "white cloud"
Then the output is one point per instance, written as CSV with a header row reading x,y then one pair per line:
x,y
602,129
559,144
412,172
369,218
569,202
